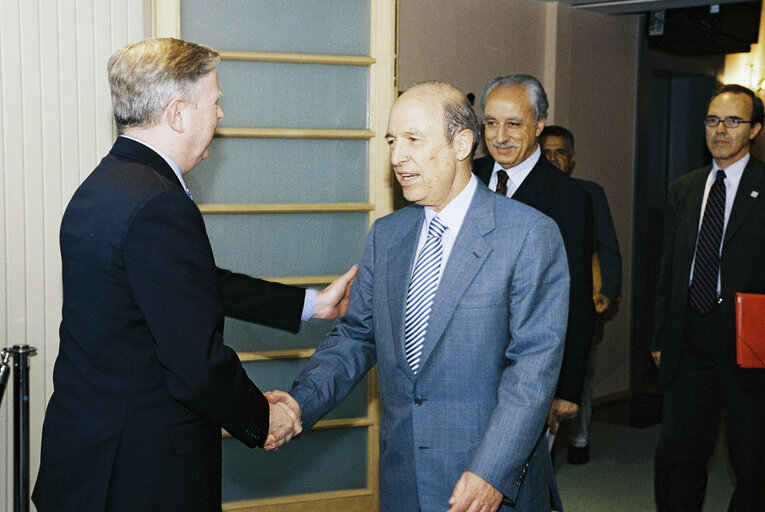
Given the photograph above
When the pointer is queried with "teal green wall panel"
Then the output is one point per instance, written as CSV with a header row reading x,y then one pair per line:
x,y
318,461
287,244
280,373
247,337
336,27
283,95
244,170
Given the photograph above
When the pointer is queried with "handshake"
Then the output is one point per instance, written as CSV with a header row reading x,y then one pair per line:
x,y
284,419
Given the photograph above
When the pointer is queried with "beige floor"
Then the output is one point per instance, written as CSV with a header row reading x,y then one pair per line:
x,y
619,476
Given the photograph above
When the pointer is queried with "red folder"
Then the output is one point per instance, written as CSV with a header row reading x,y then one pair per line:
x,y
750,330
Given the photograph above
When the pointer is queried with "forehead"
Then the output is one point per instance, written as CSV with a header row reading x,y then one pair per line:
x,y
731,104
553,141
416,112
510,98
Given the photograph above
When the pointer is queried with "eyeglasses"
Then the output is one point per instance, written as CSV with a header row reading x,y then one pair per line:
x,y
728,122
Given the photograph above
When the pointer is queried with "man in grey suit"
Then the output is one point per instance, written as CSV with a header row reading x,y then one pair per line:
x,y
557,144
463,407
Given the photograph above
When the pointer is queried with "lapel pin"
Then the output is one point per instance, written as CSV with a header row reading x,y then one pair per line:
x,y
754,194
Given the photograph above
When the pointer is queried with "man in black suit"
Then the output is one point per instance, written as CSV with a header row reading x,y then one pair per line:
x,y
702,268
515,111
557,145
143,382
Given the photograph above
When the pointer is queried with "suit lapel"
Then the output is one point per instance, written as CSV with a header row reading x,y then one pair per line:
x,y
401,256
465,260
533,186
752,180
695,199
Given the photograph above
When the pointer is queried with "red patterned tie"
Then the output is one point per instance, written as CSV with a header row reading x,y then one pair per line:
x,y
502,182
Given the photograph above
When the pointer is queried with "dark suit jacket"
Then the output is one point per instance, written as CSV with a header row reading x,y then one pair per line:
x,y
143,382
742,265
605,243
556,195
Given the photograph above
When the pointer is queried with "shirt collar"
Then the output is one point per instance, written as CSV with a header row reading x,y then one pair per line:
x,y
454,213
733,172
519,172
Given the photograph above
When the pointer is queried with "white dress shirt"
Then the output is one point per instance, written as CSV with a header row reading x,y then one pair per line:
x,y
516,174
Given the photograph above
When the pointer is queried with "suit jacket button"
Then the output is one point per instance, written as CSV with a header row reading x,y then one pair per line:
x,y
418,400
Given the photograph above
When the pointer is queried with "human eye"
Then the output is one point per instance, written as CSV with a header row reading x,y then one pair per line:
x,y
711,121
733,122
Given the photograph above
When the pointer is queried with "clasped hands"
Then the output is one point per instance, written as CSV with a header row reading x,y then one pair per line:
x,y
284,419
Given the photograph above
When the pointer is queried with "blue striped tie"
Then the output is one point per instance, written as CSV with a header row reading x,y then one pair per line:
x,y
702,295
422,290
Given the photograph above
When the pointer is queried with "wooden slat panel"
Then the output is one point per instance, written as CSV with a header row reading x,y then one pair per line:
x,y
298,58
286,208
353,500
293,133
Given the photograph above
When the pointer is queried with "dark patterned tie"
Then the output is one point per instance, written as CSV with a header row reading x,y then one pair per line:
x,y
702,295
502,182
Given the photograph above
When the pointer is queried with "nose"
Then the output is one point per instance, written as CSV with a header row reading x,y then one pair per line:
x,y
720,128
502,134
397,154
221,115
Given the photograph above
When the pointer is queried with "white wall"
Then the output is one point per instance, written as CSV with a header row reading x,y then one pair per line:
x,y
55,125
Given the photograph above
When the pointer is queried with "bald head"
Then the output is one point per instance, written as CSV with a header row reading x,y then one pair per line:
x,y
432,133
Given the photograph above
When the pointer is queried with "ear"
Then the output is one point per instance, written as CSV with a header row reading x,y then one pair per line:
x,y
755,131
174,113
463,143
540,125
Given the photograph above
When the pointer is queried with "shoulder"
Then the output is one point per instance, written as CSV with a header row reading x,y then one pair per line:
x,y
589,186
690,180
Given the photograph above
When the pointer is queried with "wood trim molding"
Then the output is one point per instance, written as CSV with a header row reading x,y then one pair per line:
x,y
351,500
297,58
332,424
275,355
166,18
287,208
292,133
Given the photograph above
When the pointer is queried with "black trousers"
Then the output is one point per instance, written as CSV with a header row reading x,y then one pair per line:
x,y
703,389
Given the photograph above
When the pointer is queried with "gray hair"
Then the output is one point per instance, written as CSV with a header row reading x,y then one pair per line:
x,y
144,77
536,92
458,112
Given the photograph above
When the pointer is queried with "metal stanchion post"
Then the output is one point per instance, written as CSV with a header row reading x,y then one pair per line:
x,y
5,371
20,355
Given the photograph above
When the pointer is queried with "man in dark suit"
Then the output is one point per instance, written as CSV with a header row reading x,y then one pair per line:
x,y
515,110
143,382
714,246
466,377
557,145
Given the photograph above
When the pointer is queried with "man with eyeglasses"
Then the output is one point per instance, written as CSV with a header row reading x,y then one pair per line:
x,y
714,246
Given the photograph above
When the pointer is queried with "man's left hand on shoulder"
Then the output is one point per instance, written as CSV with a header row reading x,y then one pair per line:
x,y
332,301
474,494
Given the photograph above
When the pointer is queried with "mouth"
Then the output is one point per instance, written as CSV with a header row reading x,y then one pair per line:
x,y
405,178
